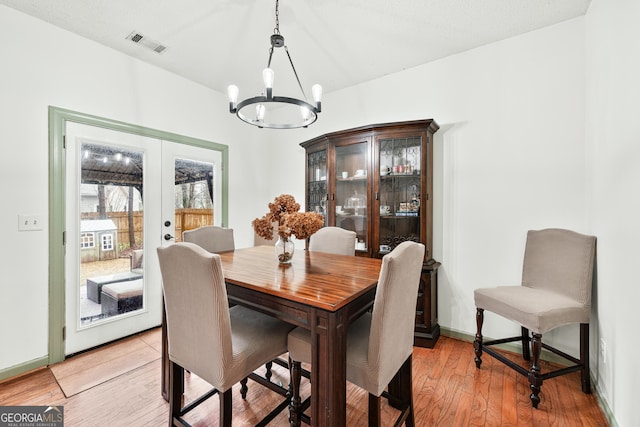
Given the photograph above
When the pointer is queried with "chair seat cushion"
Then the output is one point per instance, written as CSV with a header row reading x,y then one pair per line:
x,y
300,345
256,339
538,310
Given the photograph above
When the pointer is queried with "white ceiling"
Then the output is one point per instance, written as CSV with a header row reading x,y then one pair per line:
x,y
337,43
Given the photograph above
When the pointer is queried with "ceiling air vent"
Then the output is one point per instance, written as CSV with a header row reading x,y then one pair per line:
x,y
146,42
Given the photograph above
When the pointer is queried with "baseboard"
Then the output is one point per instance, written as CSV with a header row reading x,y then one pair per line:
x,y
546,355
606,410
23,368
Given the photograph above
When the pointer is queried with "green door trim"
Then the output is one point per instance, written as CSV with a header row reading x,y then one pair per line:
x,y
58,117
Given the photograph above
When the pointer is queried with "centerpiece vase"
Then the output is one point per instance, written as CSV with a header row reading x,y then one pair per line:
x,y
284,250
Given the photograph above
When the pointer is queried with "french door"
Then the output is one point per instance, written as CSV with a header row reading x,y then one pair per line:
x,y
126,195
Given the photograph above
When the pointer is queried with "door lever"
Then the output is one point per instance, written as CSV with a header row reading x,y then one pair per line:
x,y
168,236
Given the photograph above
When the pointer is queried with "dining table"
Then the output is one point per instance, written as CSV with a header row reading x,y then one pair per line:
x,y
318,291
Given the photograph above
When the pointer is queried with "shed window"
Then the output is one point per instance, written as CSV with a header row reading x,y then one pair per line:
x,y
87,240
107,242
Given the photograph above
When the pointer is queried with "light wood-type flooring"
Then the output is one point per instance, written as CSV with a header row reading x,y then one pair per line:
x,y
448,391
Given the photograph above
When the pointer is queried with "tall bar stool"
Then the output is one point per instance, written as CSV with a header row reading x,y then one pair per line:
x,y
219,344
556,290
379,344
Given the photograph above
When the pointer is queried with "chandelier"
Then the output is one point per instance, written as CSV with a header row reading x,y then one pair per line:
x,y
269,111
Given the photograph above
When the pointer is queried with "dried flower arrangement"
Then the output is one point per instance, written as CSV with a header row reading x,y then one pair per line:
x,y
284,211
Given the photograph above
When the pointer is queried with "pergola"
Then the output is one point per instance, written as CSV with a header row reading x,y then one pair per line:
x,y
106,165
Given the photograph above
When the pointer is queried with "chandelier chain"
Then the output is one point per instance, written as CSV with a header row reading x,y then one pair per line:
x,y
276,30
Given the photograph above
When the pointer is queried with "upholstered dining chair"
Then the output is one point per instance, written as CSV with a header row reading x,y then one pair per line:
x,y
555,291
219,344
379,343
212,238
218,239
334,240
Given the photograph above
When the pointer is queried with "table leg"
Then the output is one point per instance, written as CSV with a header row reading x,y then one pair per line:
x,y
328,369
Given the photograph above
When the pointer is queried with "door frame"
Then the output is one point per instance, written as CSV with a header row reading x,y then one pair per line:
x,y
58,118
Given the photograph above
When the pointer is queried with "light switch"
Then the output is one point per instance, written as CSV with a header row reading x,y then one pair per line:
x,y
29,222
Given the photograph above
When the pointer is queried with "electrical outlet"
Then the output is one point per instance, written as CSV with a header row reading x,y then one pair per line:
x,y
29,222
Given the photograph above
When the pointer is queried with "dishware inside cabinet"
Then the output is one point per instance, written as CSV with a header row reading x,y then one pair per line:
x,y
351,189
317,183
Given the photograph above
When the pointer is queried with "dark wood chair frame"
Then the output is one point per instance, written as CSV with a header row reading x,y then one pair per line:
x,y
399,396
175,379
177,411
534,375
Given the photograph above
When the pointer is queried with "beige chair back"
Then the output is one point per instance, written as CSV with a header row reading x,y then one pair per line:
x,y
560,261
261,241
198,320
212,238
394,308
334,240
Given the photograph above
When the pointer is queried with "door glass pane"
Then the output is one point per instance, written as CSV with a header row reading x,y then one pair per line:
x,y
111,232
193,195
400,189
317,183
351,191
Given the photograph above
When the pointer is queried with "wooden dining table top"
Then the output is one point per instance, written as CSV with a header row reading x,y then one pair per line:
x,y
318,279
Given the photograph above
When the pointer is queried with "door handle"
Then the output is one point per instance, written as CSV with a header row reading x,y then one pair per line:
x,y
168,236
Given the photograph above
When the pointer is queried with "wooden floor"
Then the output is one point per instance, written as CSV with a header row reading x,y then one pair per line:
x,y
448,391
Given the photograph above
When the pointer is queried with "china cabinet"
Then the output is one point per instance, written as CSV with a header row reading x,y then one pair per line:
x,y
378,181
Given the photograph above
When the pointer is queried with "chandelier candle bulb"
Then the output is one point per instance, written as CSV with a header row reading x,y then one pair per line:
x,y
316,91
268,76
260,112
232,92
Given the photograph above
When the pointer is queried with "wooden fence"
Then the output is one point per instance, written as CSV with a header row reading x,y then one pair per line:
x,y
185,219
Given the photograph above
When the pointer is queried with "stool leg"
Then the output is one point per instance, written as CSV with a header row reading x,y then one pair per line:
x,y
374,410
295,369
225,408
176,390
526,354
243,387
535,378
584,358
477,343
268,374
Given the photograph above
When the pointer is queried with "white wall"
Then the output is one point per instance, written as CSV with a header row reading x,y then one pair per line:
x,y
42,66
613,137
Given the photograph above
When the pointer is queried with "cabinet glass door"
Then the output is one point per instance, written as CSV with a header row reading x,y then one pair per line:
x,y
351,191
400,192
317,183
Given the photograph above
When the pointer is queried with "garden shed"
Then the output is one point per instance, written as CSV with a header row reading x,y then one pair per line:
x,y
98,240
